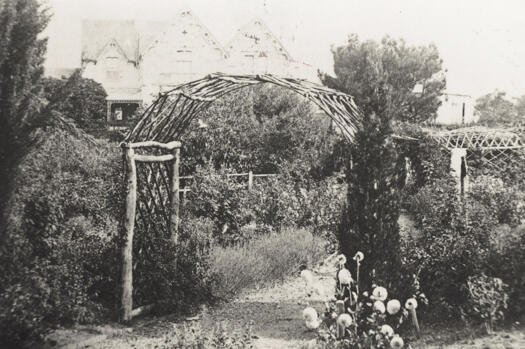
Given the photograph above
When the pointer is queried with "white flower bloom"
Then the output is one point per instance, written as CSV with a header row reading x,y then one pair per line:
x,y
380,293
387,330
397,342
411,303
379,306
312,324
309,314
393,306
307,276
341,259
344,320
359,256
344,276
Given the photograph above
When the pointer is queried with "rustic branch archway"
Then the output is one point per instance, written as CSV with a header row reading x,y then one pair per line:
x,y
152,153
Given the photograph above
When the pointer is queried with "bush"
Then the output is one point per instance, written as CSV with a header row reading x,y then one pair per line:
x,y
274,203
487,299
262,261
173,277
507,260
465,237
58,248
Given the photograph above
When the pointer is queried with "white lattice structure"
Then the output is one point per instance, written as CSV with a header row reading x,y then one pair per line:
x,y
497,146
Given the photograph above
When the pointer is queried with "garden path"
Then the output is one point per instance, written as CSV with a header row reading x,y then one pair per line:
x,y
275,315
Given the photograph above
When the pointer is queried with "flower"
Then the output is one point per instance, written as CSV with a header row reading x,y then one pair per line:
x,y
307,276
387,330
344,276
397,342
393,306
359,256
309,314
411,304
344,320
379,306
312,324
341,259
380,293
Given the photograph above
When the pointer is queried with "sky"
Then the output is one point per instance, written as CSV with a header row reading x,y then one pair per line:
x,y
481,42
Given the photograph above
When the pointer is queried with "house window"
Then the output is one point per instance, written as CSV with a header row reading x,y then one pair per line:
x,y
118,114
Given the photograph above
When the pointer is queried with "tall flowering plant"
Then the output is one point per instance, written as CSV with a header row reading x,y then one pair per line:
x,y
355,319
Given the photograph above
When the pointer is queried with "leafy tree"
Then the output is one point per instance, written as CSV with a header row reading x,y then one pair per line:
x,y
83,100
21,66
494,109
264,129
520,108
381,77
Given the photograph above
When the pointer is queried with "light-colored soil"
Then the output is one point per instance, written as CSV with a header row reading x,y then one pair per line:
x,y
275,316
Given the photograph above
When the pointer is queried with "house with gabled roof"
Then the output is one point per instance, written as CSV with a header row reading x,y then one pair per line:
x,y
136,60
254,49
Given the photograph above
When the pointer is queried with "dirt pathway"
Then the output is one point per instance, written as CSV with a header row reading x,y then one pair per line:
x,y
274,314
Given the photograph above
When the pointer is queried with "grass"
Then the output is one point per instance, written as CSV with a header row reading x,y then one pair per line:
x,y
263,261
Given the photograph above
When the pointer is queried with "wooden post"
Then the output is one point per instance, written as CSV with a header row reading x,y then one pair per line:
x,y
175,198
129,224
250,180
340,309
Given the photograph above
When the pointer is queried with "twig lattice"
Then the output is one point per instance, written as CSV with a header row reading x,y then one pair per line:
x,y
168,117
498,147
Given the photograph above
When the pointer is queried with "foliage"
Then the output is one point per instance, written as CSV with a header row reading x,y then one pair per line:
x,y
506,201
488,299
494,109
173,277
356,319
507,260
369,222
194,336
274,203
454,241
57,247
260,261
381,78
21,66
424,159
80,99
264,129
461,237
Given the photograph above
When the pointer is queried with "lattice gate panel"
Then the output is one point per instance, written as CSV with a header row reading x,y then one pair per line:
x,y
154,181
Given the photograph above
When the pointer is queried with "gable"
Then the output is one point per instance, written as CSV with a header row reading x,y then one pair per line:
x,y
95,35
256,39
185,31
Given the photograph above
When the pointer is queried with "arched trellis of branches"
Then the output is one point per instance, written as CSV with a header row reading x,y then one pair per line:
x,y
152,153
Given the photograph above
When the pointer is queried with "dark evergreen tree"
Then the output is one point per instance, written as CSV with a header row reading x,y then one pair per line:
x,y
21,66
381,77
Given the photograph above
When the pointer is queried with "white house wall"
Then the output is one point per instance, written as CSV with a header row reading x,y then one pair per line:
x,y
451,110
113,70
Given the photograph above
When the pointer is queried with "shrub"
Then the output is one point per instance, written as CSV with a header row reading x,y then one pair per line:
x,y
274,203
487,299
173,277
507,261
464,237
264,260
369,220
